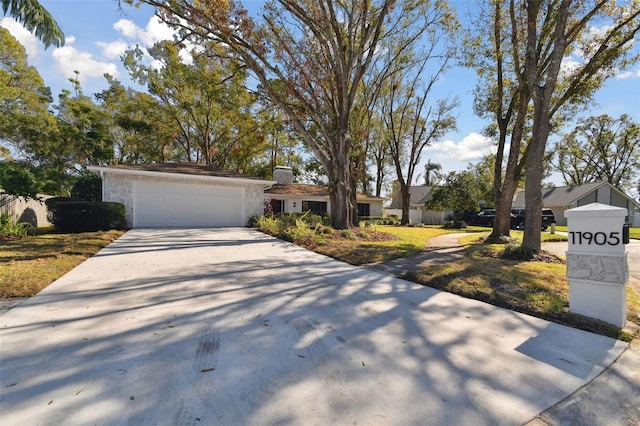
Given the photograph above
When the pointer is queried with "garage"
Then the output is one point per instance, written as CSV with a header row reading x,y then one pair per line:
x,y
185,204
182,194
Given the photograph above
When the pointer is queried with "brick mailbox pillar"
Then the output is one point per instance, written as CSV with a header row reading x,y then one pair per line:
x,y
597,268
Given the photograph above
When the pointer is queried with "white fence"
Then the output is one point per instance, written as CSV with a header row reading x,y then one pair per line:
x,y
30,211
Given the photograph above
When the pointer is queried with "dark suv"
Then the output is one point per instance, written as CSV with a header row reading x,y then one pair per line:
x,y
484,218
518,215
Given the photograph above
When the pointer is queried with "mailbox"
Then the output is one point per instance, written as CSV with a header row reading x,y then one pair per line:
x,y
625,233
597,268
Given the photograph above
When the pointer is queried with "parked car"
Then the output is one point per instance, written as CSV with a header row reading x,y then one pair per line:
x,y
484,218
518,217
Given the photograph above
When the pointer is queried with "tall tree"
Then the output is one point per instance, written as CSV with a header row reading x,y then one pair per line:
x,y
431,172
24,99
317,51
36,19
139,128
532,86
601,149
462,191
206,98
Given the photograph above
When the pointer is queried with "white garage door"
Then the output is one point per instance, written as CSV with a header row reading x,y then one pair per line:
x,y
182,204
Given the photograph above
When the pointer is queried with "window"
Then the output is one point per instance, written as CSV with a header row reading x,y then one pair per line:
x,y
314,206
277,206
364,209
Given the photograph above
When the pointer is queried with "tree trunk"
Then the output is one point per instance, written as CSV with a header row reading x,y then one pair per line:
x,y
340,194
534,172
406,202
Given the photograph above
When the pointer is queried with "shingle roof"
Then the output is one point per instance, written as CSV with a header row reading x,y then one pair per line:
x,y
298,189
561,195
181,168
303,189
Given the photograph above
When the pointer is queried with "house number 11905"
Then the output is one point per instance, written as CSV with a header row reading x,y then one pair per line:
x,y
598,238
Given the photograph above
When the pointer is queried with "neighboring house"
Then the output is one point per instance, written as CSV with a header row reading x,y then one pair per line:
x,y
182,195
562,198
31,211
418,213
288,197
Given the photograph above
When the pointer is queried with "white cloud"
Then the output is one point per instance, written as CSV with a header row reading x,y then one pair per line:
x,y
69,59
472,147
32,46
114,49
155,31
628,75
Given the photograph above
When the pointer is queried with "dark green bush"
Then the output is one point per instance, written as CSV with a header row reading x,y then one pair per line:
x,y
85,216
88,188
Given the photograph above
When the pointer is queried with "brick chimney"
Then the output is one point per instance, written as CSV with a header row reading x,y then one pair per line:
x,y
283,175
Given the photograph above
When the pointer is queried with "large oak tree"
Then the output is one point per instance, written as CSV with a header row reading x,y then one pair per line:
x,y
316,51
543,59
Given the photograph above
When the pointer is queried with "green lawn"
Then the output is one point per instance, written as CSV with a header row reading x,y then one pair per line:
x,y
29,264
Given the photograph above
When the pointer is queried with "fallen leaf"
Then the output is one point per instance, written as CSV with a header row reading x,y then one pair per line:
x,y
78,393
50,402
131,398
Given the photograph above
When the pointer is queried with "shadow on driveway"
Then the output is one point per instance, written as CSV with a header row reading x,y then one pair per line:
x,y
230,326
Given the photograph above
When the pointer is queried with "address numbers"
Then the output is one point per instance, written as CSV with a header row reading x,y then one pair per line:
x,y
597,238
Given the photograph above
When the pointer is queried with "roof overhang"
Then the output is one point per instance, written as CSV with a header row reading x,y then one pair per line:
x,y
207,178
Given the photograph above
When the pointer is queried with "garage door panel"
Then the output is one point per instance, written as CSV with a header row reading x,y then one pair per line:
x,y
182,204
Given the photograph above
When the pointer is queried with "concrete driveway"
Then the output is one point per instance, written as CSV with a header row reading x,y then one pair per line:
x,y
230,326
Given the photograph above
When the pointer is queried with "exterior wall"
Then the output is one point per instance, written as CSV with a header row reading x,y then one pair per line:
x,y
31,211
119,188
375,208
253,201
588,199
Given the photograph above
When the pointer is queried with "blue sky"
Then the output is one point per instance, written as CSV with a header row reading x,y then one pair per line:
x,y
98,33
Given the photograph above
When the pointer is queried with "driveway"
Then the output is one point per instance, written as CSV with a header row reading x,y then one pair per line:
x,y
230,326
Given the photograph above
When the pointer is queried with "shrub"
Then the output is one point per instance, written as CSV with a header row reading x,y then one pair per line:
x,y
268,224
85,216
88,188
348,234
11,228
518,252
300,232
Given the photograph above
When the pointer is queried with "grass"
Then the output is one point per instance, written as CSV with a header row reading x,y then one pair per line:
x,y
535,288
402,241
29,264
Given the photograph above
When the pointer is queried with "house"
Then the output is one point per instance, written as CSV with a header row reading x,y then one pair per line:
x,y
288,197
562,198
182,195
418,213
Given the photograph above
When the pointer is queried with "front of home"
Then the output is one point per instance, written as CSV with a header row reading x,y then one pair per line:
x,y
182,195
560,199
288,197
192,195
